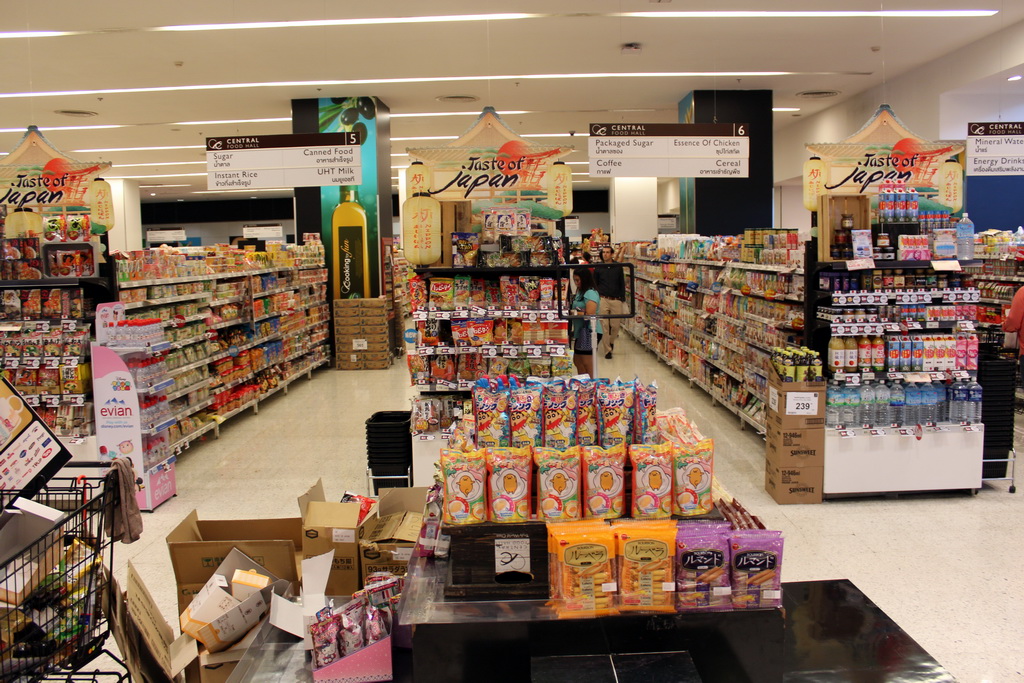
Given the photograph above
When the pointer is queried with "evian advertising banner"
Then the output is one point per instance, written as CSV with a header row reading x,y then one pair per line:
x,y
118,427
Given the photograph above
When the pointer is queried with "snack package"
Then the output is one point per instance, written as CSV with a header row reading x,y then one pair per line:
x,y
497,366
465,491
460,332
442,293
490,408
425,415
514,331
652,481
614,414
547,292
644,418
525,416
586,411
478,293
603,482
430,332
493,293
509,291
519,368
351,638
443,368
418,367
465,247
374,627
702,568
529,292
558,484
561,366
480,331
471,366
644,557
325,641
540,367
559,416
508,471
499,331
693,467
583,569
461,291
756,568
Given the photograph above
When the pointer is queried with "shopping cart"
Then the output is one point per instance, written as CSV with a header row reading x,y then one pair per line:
x,y
51,593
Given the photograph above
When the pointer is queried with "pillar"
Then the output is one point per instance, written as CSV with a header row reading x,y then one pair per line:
x,y
633,209
127,232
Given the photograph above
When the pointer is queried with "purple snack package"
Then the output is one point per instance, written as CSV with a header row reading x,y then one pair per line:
x,y
325,641
702,569
756,569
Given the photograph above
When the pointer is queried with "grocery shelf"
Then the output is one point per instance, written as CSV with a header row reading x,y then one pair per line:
x,y
194,408
154,388
236,411
190,319
130,284
192,436
188,342
178,393
156,429
166,300
227,323
233,383
189,366
229,300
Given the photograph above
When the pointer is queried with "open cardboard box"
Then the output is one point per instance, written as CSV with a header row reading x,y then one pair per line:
x,y
22,566
327,527
389,533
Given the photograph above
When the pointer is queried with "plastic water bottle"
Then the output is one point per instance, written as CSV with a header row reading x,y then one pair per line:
x,y
941,402
832,401
965,238
928,399
850,407
913,403
897,404
883,414
867,404
974,392
958,402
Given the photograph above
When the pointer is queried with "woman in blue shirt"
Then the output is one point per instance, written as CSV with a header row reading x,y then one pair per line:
x,y
585,302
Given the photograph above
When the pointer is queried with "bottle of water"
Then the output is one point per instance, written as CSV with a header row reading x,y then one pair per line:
x,y
913,401
974,402
958,402
867,404
928,399
883,415
850,408
832,401
965,238
897,404
942,401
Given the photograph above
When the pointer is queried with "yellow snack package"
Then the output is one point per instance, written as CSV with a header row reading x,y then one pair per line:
x,y
652,481
694,468
465,492
558,484
508,472
603,482
585,561
644,556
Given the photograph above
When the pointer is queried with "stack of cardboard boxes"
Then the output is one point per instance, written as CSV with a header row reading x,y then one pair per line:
x,y
795,455
361,334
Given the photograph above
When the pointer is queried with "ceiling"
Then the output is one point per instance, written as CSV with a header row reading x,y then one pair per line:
x,y
113,46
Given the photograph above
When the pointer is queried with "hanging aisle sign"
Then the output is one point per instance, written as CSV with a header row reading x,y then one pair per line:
x,y
995,148
271,161
669,150
36,174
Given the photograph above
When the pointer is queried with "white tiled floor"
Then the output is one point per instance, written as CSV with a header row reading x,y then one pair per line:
x,y
945,567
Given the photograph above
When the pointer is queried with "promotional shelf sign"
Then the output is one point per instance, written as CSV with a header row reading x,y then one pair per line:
x,y
30,454
995,149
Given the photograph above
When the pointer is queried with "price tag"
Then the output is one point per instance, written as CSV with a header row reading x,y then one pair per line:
x,y
509,350
967,325
462,350
801,403
31,362
937,376
853,380
534,351
51,362
840,299
913,325
946,265
419,315
70,361
876,432
426,437
12,363
445,384
513,313
932,324
894,375
460,313
76,441
860,263
846,433
972,428
51,401
443,315
973,296
530,316
881,299
490,351
891,327
74,399
940,429
493,310
961,374
446,350
906,431
68,325
425,350
478,310
32,400
556,349
867,375
42,326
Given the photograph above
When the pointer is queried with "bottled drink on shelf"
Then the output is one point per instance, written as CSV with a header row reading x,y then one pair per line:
x,y
864,354
878,353
832,401
897,404
900,199
885,202
851,354
867,404
849,409
958,402
912,205
883,412
928,399
892,353
836,354
974,395
941,401
965,238
913,403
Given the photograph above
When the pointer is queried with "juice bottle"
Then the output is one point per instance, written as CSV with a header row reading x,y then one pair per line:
x,y
851,353
929,355
878,354
836,354
864,354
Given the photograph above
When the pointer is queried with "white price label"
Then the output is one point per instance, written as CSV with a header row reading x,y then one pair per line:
x,y
894,375
530,316
840,299
511,555
359,345
877,432
51,401
891,327
967,325
343,535
906,431
972,428
478,310
556,349
427,437
419,315
490,351
860,263
42,326
32,400
853,380
867,375
443,315
460,313
68,325
961,374
802,403
446,350
51,362
509,350
425,350
846,433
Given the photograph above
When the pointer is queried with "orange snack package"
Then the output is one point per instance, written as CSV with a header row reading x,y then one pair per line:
x,y
645,553
465,493
603,482
584,569
694,471
652,481
509,478
558,484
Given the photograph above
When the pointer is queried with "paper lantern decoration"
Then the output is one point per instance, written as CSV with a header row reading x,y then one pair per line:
x,y
23,223
951,185
421,229
815,173
418,178
101,202
558,184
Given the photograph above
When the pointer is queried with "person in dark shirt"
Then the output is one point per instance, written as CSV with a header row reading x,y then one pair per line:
x,y
611,286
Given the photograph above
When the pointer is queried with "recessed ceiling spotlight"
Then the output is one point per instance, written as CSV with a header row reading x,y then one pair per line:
x,y
785,108
77,113
458,99
1014,78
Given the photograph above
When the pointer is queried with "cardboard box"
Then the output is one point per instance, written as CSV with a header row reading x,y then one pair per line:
x,y
377,364
216,673
346,362
386,539
792,485
378,304
795,447
28,548
343,309
795,405
364,345
198,546
332,526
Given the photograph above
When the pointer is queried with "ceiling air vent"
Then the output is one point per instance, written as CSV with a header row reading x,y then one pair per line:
x,y
817,94
78,113
458,99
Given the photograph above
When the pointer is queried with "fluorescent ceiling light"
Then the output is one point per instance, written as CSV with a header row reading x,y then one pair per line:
x,y
581,181
214,123
366,21
427,137
35,34
455,113
269,189
148,186
577,163
556,135
580,174
142,177
399,154
140,149
785,108
48,129
1014,78
815,14
426,79
162,163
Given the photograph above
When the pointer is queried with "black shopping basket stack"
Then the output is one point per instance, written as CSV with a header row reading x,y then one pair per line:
x,y
997,376
55,581
388,450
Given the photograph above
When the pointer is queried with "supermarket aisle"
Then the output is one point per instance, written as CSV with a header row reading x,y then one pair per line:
x,y
944,567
